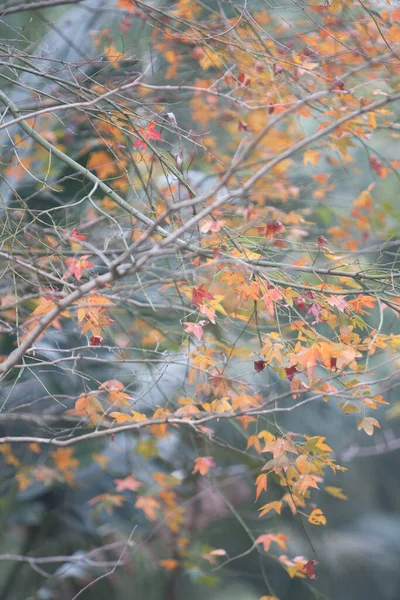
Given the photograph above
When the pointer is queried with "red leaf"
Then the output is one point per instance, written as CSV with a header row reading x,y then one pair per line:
x,y
321,240
75,235
291,372
309,568
259,365
244,79
76,266
375,164
300,303
273,228
199,295
149,134
96,340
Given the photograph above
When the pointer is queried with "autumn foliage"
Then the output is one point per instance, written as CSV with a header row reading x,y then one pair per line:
x,y
209,236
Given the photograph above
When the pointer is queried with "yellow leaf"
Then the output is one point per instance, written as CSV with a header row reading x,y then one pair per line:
x,y
137,416
304,465
267,436
276,505
348,409
317,517
210,60
335,492
372,120
122,417
221,405
311,156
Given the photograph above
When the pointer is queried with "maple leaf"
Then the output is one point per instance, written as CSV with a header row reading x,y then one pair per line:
x,y
261,484
136,417
75,235
368,424
199,295
129,483
266,539
202,464
253,440
311,156
273,228
149,506
91,312
317,517
259,365
46,304
280,446
76,266
187,411
128,5
195,328
103,164
335,492
221,405
107,501
211,225
116,396
276,505
321,240
339,302
300,302
89,407
314,309
64,459
270,298
210,59
149,134
306,481
208,312
376,165
309,568
291,372
357,304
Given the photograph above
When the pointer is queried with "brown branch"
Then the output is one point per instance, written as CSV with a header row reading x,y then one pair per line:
x,y
36,6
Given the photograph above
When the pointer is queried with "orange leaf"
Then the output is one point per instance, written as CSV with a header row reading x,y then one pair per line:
x,y
88,406
149,506
261,483
202,464
266,539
